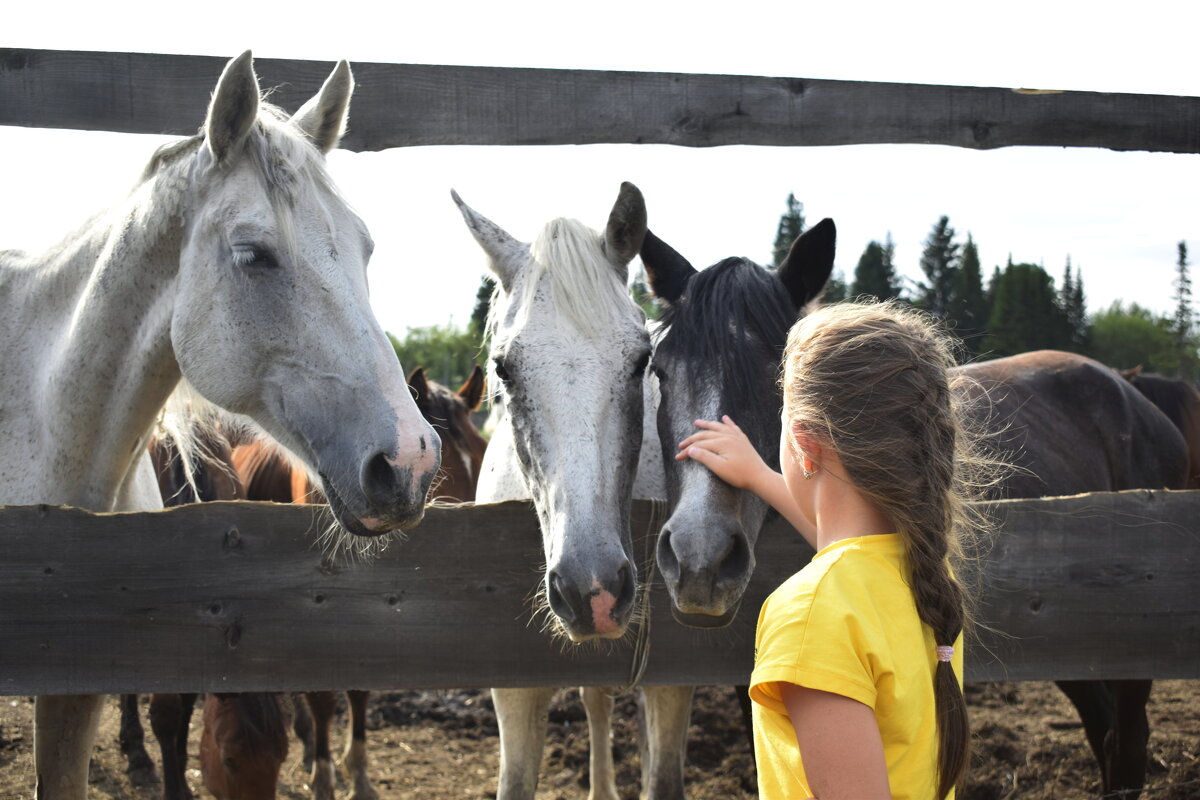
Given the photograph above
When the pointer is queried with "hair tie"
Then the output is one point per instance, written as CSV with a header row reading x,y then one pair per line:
x,y
945,652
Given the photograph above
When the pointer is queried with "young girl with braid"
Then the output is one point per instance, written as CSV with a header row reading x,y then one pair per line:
x,y
857,681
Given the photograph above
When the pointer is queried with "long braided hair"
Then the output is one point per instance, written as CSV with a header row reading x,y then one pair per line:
x,y
874,382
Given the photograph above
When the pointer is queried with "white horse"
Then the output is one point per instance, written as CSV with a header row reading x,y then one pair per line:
x,y
235,268
568,351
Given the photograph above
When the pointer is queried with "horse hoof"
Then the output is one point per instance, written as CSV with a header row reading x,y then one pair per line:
x,y
142,775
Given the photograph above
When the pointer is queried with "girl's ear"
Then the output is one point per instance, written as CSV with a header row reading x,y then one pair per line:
x,y
808,444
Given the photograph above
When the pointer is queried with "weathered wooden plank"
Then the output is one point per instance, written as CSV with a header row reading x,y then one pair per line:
x,y
398,105
237,596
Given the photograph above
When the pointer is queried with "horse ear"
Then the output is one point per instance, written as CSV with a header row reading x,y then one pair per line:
x,y
1131,373
626,226
323,118
233,108
667,271
418,384
508,255
471,392
809,262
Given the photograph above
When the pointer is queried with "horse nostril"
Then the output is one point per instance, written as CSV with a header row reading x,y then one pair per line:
x,y
560,601
736,562
625,588
379,478
668,560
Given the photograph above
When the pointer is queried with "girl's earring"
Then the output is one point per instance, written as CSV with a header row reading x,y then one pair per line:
x,y
804,468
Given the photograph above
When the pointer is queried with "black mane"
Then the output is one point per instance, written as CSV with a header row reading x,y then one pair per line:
x,y
732,322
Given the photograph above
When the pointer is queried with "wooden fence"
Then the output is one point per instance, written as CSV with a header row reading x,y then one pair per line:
x,y
398,105
241,597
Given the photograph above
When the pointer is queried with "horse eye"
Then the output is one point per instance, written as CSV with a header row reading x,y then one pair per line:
x,y
249,255
501,370
640,369
658,373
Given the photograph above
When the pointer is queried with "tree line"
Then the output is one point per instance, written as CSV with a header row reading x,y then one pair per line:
x,y
1019,308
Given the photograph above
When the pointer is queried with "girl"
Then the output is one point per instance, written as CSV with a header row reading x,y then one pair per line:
x,y
857,680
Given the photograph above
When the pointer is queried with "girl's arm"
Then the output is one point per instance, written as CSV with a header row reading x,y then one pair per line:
x,y
724,449
839,743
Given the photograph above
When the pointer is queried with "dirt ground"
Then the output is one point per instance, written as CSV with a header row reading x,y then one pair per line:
x,y
443,745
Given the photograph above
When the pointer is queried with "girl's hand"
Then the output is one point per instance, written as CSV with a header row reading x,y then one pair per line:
x,y
724,449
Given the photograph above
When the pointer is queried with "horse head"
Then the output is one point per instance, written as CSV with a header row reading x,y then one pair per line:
x,y
449,413
568,349
271,317
717,351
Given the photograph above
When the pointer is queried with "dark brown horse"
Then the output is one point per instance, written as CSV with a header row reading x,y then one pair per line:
x,y
1071,424
268,475
1180,401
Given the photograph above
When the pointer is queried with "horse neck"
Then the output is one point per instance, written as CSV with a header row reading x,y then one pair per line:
x,y
96,338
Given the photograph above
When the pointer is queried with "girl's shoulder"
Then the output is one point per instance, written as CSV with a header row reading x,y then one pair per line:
x,y
844,570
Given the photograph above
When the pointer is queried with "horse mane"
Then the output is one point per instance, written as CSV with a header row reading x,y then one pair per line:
x,y
734,316
585,286
260,722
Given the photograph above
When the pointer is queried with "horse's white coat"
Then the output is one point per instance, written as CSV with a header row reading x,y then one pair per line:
x,y
235,266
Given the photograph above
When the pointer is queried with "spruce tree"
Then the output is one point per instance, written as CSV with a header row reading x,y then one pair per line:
x,y
1025,313
1071,301
1183,323
969,307
483,301
875,275
939,262
791,225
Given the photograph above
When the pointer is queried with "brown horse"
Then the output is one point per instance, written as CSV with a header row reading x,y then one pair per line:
x,y
269,476
1180,401
237,761
1071,425
244,744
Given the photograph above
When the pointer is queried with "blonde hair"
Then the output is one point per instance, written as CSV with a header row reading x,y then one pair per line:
x,y
873,382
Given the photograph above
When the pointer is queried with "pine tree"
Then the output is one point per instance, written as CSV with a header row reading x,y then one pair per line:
x,y
1071,301
969,307
1183,323
875,275
1025,313
791,225
939,262
483,301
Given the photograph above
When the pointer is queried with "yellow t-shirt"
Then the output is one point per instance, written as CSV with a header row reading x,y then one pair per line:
x,y
847,624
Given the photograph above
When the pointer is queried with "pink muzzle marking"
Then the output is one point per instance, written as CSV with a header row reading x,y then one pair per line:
x,y
602,606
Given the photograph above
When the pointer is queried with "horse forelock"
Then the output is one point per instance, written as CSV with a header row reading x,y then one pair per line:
x,y
587,291
730,326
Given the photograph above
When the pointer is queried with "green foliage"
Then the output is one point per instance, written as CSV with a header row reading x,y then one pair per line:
x,y
835,288
1071,301
447,352
1025,313
1127,337
969,307
875,275
483,301
639,290
791,225
939,262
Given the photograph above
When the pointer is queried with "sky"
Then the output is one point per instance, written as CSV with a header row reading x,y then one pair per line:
x,y
1117,216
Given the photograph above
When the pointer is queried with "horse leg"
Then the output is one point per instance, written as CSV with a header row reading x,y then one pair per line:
x,y
598,703
1095,707
302,726
169,716
1126,745
522,715
747,706
139,767
668,712
322,705
355,755
63,735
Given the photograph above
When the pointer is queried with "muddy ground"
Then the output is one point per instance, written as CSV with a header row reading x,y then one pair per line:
x,y
443,745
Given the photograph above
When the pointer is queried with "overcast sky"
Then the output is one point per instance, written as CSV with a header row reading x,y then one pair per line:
x,y
1118,216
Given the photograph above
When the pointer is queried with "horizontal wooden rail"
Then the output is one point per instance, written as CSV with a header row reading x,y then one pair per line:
x,y
240,597
397,105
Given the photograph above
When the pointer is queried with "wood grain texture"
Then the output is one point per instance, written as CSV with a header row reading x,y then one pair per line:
x,y
238,597
397,105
